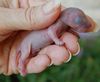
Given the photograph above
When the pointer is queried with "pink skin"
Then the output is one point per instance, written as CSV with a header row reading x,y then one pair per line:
x,y
36,40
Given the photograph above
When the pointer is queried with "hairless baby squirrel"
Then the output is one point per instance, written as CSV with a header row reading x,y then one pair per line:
x,y
73,18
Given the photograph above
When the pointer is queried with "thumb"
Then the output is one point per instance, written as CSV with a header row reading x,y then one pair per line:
x,y
33,18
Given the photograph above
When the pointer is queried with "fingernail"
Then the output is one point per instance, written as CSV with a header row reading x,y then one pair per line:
x,y
50,64
70,56
51,6
78,50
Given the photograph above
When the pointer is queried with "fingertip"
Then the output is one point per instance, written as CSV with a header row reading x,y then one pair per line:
x,y
42,15
38,64
71,42
69,57
50,10
51,6
78,50
57,54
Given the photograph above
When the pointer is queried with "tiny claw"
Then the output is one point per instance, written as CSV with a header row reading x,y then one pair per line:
x,y
23,72
21,67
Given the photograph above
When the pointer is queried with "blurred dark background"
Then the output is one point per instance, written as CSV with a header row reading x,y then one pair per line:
x,y
83,68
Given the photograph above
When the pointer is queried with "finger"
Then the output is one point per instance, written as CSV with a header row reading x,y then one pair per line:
x,y
71,43
22,3
30,3
29,19
57,54
38,64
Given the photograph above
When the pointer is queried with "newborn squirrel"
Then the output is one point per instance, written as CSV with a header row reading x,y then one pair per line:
x,y
73,18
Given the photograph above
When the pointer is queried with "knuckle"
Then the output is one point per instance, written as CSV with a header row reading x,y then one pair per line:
x,y
31,16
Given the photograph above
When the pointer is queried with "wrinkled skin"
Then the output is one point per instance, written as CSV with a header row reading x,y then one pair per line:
x,y
9,46
36,40
10,38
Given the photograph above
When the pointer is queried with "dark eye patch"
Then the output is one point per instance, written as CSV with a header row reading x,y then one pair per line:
x,y
78,20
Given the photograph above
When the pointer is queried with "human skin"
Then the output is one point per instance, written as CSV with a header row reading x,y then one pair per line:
x,y
8,46
71,18
10,39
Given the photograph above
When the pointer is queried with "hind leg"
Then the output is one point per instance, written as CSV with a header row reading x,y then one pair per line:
x,y
24,50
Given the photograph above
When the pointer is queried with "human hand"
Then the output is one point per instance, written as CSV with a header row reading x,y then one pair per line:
x,y
15,16
18,15
18,22
52,54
